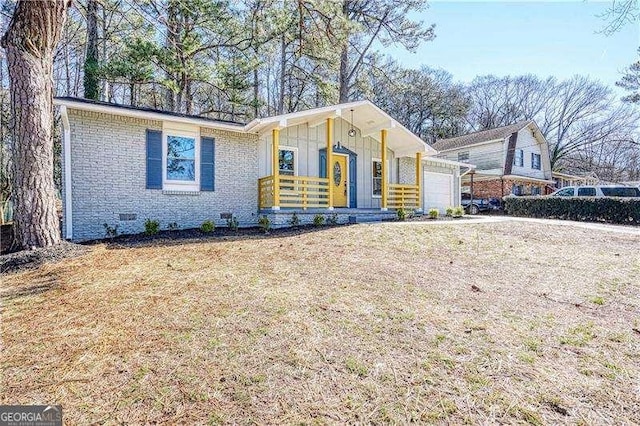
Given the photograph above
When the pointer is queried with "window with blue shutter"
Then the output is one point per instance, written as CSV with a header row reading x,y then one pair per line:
x,y
207,163
154,159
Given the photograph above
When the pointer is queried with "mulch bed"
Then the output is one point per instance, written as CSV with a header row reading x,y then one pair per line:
x,y
195,235
31,259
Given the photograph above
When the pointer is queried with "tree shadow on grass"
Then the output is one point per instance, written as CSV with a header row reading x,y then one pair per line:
x,y
35,286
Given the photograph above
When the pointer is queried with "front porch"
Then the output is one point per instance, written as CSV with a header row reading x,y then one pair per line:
x,y
336,186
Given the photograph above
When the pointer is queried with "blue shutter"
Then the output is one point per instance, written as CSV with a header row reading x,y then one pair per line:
x,y
154,159
207,164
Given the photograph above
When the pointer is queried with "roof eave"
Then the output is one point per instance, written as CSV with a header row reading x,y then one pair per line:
x,y
159,116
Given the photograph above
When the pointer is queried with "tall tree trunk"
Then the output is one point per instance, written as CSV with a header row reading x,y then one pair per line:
x,y
344,75
91,79
256,91
104,89
170,44
283,73
30,41
343,78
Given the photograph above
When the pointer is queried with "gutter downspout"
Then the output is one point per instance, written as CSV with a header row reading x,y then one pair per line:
x,y
468,171
66,150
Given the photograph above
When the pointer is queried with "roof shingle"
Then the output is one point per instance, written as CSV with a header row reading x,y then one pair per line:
x,y
478,137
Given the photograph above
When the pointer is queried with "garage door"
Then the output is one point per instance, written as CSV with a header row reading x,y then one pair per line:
x,y
438,191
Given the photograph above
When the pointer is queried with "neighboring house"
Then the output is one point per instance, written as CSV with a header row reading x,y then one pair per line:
x,y
123,165
564,179
512,159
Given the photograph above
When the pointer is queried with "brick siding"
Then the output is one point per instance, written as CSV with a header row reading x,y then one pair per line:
x,y
497,188
108,178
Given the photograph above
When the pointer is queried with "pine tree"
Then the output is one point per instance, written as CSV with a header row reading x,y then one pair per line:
x,y
631,82
30,41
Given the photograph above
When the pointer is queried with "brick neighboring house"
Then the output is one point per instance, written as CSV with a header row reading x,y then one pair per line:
x,y
512,159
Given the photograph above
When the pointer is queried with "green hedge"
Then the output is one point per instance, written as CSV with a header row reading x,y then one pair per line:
x,y
612,210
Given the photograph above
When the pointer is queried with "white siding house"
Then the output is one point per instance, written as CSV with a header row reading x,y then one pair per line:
x,y
512,159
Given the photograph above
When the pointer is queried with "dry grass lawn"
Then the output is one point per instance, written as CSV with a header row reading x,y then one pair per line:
x,y
361,324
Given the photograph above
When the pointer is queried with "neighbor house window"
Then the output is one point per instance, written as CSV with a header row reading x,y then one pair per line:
x,y
463,156
376,177
181,158
518,158
535,161
287,162
517,189
535,190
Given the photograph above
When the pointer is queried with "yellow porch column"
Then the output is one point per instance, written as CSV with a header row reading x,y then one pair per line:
x,y
385,175
330,160
419,178
275,167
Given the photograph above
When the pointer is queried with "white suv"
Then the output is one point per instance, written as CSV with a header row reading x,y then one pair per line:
x,y
598,191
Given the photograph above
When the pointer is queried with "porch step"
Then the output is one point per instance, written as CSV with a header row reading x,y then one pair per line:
x,y
282,218
371,218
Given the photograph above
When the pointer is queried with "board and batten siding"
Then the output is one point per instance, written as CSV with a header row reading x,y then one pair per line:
x,y
108,156
310,140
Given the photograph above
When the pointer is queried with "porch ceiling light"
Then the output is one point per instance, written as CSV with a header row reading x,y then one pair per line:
x,y
352,131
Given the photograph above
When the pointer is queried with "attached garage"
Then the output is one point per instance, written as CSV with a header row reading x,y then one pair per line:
x,y
440,181
438,191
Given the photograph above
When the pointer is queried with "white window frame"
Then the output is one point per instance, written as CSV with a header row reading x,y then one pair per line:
x,y
521,157
294,149
373,160
539,156
180,130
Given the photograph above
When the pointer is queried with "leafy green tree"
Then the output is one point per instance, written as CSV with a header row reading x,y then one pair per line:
x,y
631,82
132,66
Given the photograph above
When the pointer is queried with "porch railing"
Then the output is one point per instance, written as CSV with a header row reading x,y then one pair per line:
x,y
313,192
403,196
295,191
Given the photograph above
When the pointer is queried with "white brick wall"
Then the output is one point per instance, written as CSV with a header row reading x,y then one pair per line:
x,y
108,157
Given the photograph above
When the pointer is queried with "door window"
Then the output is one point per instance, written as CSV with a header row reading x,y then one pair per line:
x,y
337,173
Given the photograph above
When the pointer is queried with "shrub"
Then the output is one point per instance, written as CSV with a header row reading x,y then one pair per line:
x,y
401,213
264,223
612,210
207,227
232,223
173,226
449,211
109,231
295,220
333,219
434,213
318,220
151,227
458,211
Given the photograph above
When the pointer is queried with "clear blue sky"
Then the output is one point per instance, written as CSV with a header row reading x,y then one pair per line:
x,y
508,38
